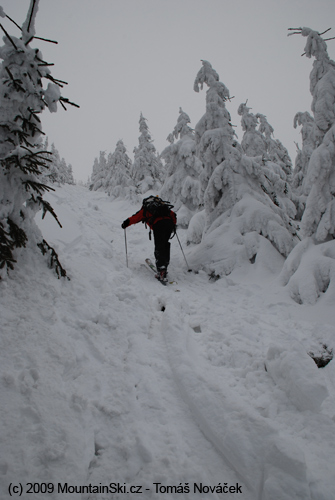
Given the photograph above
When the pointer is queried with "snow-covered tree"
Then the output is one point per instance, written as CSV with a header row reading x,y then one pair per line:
x,y
58,170
243,221
95,172
319,181
247,203
271,154
119,182
69,175
253,142
214,132
147,166
310,268
182,185
310,140
22,158
275,151
99,174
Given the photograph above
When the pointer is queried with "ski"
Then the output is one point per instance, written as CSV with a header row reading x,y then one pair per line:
x,y
151,266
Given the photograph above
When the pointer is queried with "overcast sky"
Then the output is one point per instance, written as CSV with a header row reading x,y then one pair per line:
x,y
124,57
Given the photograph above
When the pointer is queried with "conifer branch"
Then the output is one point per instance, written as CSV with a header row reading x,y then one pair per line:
x,y
9,38
14,238
64,99
38,187
54,261
28,41
6,249
12,20
46,208
325,32
15,81
45,64
54,80
45,39
296,31
17,234
31,15
36,37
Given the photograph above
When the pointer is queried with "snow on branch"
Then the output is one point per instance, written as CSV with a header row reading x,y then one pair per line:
x,y
54,261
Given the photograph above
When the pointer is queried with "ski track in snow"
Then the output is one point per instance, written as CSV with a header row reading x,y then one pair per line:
x,y
111,377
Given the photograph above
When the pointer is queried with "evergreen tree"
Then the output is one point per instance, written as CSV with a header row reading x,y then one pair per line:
x,y
309,270
318,185
58,171
275,150
253,142
22,158
69,175
272,156
100,173
119,182
309,143
247,199
95,172
147,166
182,185
214,132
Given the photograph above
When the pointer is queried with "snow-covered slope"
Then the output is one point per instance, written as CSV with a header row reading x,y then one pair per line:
x,y
112,378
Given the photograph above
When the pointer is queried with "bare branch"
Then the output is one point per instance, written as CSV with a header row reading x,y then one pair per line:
x,y
324,32
31,15
45,39
9,38
296,31
12,20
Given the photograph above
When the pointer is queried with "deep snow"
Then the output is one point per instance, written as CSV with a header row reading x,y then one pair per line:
x,y
111,377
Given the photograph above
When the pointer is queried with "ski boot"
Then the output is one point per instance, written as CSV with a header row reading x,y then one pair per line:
x,y
161,274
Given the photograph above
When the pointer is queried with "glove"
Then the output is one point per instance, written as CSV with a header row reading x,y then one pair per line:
x,y
125,224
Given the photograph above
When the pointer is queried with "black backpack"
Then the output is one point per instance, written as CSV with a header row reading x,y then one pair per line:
x,y
156,207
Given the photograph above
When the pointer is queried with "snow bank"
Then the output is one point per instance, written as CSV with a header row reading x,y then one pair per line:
x,y
297,374
234,241
309,272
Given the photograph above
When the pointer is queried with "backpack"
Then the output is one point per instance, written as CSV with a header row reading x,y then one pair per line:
x,y
156,207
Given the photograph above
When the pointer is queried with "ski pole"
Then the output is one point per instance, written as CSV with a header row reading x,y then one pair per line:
x,y
125,243
181,248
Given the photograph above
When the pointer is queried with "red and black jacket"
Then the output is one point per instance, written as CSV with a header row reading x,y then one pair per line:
x,y
148,218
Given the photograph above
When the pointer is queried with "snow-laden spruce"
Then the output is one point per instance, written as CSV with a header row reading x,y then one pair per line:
x,y
119,183
147,167
310,136
271,155
275,150
214,132
318,183
183,168
58,171
253,142
99,173
22,158
247,200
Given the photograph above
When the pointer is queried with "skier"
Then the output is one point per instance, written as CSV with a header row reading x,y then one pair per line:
x,y
157,214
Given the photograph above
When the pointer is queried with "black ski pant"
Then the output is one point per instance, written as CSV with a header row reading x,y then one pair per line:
x,y
162,231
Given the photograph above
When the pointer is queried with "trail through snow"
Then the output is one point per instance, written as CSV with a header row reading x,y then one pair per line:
x,y
112,378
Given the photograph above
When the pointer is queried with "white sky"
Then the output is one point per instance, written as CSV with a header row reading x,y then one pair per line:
x,y
124,57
